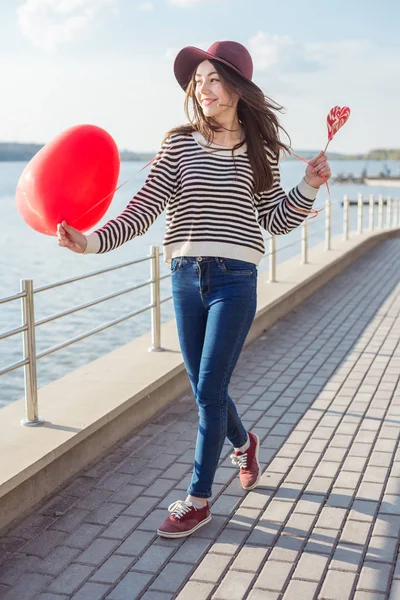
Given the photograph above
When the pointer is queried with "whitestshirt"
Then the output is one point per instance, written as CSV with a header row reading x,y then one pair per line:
x,y
211,209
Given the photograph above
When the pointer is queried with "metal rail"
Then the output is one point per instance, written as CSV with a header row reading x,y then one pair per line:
x,y
385,219
51,286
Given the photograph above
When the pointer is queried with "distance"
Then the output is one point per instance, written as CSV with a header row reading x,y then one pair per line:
x,y
15,151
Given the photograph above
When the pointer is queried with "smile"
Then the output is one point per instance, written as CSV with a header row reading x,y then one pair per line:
x,y
208,102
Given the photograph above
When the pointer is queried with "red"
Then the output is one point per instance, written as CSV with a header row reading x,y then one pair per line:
x,y
72,178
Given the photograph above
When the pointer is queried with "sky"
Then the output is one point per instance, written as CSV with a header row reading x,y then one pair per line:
x,y
110,63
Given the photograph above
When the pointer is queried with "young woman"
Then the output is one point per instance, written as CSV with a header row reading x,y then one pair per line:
x,y
218,179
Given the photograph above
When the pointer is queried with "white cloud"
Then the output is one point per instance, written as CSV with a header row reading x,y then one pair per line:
x,y
280,54
48,23
184,3
310,78
146,7
267,50
188,3
171,53
270,51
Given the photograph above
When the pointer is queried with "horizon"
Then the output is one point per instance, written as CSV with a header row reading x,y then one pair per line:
x,y
110,63
153,151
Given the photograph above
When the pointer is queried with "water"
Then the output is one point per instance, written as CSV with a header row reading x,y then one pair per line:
x,y
25,254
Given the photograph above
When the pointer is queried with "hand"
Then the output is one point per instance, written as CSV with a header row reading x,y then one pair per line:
x,y
71,238
318,171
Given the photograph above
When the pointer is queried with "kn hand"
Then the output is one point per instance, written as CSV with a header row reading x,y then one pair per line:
x,y
71,238
318,171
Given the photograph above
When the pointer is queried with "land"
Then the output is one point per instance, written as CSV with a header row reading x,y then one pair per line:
x,y
13,151
376,154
